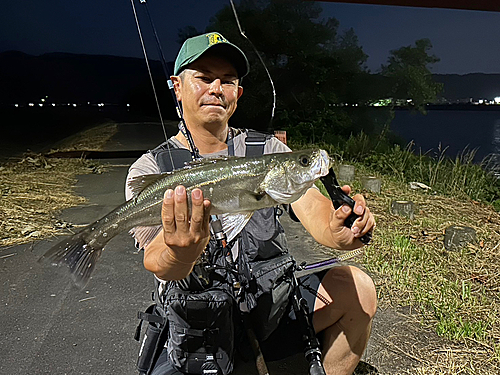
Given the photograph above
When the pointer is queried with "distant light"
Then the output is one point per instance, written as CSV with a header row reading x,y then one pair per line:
x,y
497,100
74,105
16,105
100,105
53,104
481,101
40,104
128,105
88,103
43,99
31,104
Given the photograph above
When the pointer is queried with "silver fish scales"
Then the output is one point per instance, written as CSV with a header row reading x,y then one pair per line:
x,y
232,184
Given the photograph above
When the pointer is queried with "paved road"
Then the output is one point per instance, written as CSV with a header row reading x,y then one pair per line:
x,y
50,327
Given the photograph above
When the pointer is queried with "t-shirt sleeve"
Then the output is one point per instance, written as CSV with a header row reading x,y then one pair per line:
x,y
146,164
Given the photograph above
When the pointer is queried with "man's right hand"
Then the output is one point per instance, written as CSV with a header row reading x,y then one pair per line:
x,y
184,236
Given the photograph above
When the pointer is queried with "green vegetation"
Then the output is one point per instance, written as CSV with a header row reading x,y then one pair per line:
x,y
454,292
324,89
460,177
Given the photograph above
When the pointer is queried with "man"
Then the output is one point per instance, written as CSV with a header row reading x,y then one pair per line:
x,y
207,76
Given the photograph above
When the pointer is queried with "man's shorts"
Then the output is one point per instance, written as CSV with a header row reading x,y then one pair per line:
x,y
285,341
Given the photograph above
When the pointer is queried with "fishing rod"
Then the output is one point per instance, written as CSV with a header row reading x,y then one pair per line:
x,y
195,154
260,58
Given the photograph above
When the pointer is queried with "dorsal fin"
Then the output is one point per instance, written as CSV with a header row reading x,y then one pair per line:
x,y
139,183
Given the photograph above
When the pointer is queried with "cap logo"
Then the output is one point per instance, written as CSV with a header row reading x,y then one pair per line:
x,y
215,38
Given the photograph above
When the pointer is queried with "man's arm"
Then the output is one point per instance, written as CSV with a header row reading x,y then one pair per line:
x,y
326,225
184,235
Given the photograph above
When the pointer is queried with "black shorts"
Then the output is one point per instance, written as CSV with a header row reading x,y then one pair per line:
x,y
284,342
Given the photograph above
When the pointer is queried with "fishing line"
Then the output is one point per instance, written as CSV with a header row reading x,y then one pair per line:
x,y
182,125
260,58
149,68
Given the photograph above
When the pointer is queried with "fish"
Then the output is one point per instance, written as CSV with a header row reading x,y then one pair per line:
x,y
236,185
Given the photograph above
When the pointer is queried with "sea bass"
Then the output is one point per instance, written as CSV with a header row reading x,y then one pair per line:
x,y
232,184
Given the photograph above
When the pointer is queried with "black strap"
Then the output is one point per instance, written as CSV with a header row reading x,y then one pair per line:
x,y
255,142
152,318
148,316
169,157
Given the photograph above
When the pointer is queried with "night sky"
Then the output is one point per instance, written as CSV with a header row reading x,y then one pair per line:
x,y
466,41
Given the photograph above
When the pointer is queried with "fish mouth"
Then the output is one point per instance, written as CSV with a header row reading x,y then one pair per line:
x,y
325,162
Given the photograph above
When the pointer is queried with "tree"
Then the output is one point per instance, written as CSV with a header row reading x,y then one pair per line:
x,y
409,75
311,63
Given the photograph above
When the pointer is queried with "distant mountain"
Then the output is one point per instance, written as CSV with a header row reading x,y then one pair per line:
x,y
473,85
65,77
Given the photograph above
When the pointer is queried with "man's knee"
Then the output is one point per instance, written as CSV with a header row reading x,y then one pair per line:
x,y
354,287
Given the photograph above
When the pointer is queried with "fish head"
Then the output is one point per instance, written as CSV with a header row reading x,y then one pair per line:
x,y
293,173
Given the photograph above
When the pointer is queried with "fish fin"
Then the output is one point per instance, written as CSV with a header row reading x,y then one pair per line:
x,y
144,235
75,254
139,183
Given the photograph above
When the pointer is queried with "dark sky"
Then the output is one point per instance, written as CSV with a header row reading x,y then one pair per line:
x,y
466,41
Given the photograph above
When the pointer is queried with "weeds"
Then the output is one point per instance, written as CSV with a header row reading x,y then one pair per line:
x,y
453,292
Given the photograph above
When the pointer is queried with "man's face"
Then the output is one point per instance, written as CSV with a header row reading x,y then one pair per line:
x,y
209,91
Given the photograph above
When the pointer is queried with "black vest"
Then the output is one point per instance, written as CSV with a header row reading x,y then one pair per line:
x,y
263,257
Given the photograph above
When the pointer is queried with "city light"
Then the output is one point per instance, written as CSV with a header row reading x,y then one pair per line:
x,y
497,100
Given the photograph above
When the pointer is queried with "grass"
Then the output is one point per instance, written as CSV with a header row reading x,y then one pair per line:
x,y
33,189
453,293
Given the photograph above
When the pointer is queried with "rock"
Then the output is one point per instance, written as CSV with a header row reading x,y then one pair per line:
x,y
346,173
457,237
419,186
372,184
403,208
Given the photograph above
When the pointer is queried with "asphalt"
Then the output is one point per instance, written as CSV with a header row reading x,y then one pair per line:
x,y
48,326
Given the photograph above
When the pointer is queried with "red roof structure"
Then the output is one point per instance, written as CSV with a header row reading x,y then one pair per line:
x,y
486,5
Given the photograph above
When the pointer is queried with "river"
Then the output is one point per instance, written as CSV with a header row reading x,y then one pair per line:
x,y
455,129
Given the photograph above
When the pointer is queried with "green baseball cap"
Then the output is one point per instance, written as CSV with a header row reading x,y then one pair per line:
x,y
196,46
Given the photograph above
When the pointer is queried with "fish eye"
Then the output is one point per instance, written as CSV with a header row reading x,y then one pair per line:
x,y
304,160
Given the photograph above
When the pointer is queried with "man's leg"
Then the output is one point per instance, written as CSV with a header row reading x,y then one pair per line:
x,y
345,317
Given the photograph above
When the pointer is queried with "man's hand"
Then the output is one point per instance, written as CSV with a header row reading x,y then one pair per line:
x,y
348,238
326,225
185,234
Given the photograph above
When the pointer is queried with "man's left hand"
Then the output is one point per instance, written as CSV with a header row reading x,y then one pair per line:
x,y
348,238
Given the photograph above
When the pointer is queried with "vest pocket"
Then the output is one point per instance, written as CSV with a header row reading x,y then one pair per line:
x,y
263,236
201,329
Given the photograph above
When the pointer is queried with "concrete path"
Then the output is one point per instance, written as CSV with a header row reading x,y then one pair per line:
x,y
50,327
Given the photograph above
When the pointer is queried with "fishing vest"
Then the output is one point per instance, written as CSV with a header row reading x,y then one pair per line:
x,y
198,308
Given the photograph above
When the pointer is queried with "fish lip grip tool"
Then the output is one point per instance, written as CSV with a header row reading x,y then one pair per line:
x,y
339,198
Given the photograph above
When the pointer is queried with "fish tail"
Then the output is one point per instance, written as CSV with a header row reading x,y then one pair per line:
x,y
75,254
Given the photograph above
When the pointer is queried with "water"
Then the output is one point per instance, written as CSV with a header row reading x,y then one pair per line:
x,y
455,129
